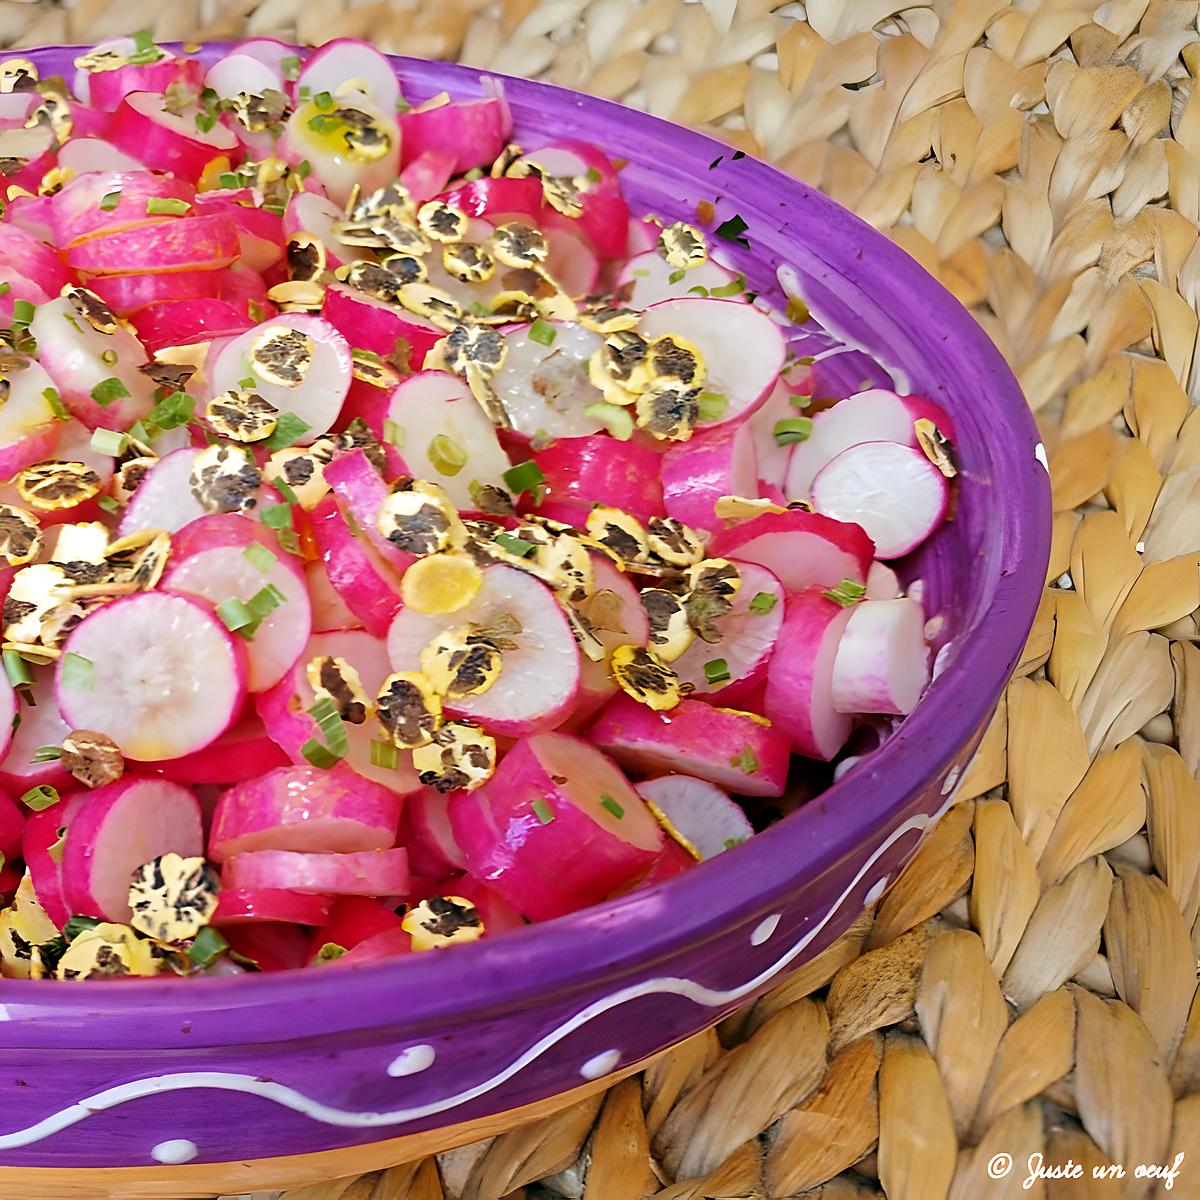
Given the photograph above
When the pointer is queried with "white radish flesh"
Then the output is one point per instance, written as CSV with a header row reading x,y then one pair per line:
x,y
28,427
883,583
329,610
41,725
772,458
348,64
164,499
700,811
882,663
648,279
163,677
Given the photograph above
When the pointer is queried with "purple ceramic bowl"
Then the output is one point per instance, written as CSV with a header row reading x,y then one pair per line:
x,y
101,1075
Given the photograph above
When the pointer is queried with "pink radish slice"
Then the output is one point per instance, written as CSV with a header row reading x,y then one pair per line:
x,y
260,231
106,89
84,154
16,106
497,915
647,278
347,62
12,825
799,695
546,387
119,828
772,458
473,131
538,680
19,288
873,416
177,244
882,662
166,678
883,583
41,725
434,405
381,947
582,471
697,473
540,833
315,214
76,357
731,749
253,906
183,322
215,557
673,860
643,235
284,708
370,324
801,549
268,50
427,815
893,492
164,499
45,869
23,253
166,142
428,174
749,637
88,122
269,945
243,751
241,286
8,713
701,812
362,492
304,808
499,198
238,72
370,404
329,610
354,919
318,397
572,263
367,586
743,348
365,873
29,430
604,222
125,294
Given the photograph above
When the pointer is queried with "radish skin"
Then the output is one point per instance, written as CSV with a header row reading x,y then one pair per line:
x,y
41,725
362,493
164,499
883,583
45,869
351,920
365,873
244,751
697,473
431,845
882,662
12,825
582,471
254,906
471,132
497,915
370,324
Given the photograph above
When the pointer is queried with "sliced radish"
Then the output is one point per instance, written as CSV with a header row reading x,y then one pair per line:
x,y
700,811
347,64
253,906
163,676
84,154
582,471
269,945
499,199
801,549
22,252
572,263
362,492
284,709
773,458
78,359
19,288
244,751
268,50
673,860
883,583
312,213
882,662
749,634
125,294
735,750
649,279
429,173
497,914
184,322
538,680
432,848
12,825
383,946
366,873
743,349
370,324
259,231
351,920
329,610
119,828
164,499
877,415
697,473
799,695
16,106
436,405
178,244
29,431
893,492
43,854
472,131
545,388
556,828
304,808
40,725
216,558
317,397
166,142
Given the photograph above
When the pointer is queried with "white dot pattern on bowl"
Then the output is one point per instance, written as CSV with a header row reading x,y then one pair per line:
x,y
876,890
764,929
175,1151
600,1065
412,1061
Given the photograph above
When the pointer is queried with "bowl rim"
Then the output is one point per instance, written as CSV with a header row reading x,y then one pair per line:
x,y
623,936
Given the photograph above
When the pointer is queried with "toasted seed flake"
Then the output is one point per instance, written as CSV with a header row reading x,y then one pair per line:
x,y
129,478
20,535
409,709
609,318
487,398
669,410
301,468
562,195
485,348
377,373
683,246
507,157
224,479
18,75
712,583
92,758
671,357
640,673
670,632
623,353
671,831
334,678
172,897
461,662
54,485
745,508
298,295
168,375
517,244
107,951
441,583
674,542
757,718
439,222
468,262
393,200
936,446
92,309
282,355
460,756
242,416
140,558
419,519
442,921
620,532
432,303
564,563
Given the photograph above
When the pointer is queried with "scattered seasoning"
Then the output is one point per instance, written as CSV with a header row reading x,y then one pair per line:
x,y
523,477
242,416
334,679
165,205
92,758
384,754
791,430
542,811
716,670
235,616
515,545
173,898
109,391
409,709
848,592
745,761
225,479
49,486
40,798
763,602
329,952
75,671
935,446
607,802
445,455
20,535
110,442
442,921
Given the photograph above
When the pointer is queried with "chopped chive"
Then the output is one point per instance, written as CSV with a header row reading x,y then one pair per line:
x,y
17,669
676,276
108,391
698,289
329,722
108,358
259,556
110,201
713,406
641,272
732,288
304,95
846,593
745,761
393,433
290,66
542,332
616,419
542,811
234,614
792,429
445,455
110,442
284,488
45,754
166,205
205,122
323,100
763,602
277,516
77,924
228,181
303,168
731,842
266,600
75,671
57,407
716,670
799,401
5,288
515,545
384,754
606,801
206,945
40,798
732,230
108,504
323,124
523,477
247,383
797,310
22,314
288,428
318,755
140,433
329,952
592,175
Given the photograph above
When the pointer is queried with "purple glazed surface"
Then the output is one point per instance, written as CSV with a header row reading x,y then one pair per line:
x,y
100,1075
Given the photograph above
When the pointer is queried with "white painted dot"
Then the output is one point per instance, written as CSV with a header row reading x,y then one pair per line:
x,y
412,1061
876,891
1039,452
174,1152
601,1065
951,779
764,929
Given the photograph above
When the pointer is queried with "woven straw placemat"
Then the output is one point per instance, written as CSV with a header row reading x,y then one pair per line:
x,y
1028,986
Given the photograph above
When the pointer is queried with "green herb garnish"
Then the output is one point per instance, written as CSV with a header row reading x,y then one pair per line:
x,y
54,400
17,669
542,811
110,442
393,433
259,556
732,231
445,455
290,66
515,545
288,428
109,391
45,754
22,314
110,201
206,945
167,206
713,406
40,798
746,761
78,924
235,616
606,801
384,754
716,670
732,288
228,181
676,276
108,504
791,430
75,671
846,593
762,602
523,477
329,952
616,419
542,332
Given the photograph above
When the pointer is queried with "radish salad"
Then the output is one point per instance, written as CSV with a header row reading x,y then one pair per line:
x,y
403,541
